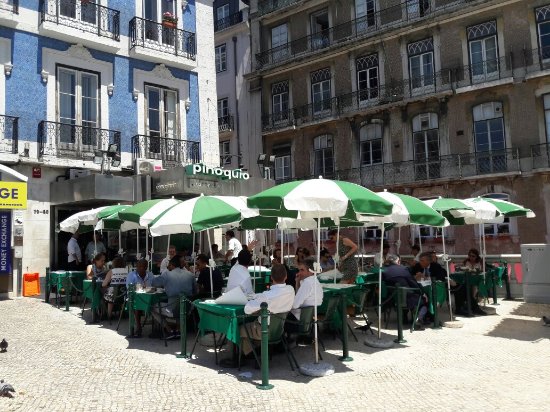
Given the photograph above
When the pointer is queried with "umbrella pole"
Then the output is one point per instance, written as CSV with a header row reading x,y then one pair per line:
x,y
282,247
419,238
448,274
317,268
168,247
358,249
380,284
120,251
362,245
211,263
399,240
95,246
137,245
147,246
151,253
337,250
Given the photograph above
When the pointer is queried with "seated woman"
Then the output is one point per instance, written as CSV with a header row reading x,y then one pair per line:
x,y
473,261
98,268
111,291
299,256
276,258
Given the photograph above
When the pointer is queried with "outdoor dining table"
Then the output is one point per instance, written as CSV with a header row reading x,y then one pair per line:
x,y
345,291
436,296
58,278
468,279
93,294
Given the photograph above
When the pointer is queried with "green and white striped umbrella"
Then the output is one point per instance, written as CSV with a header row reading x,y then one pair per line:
x,y
318,198
408,210
505,208
454,210
80,221
144,213
202,213
114,222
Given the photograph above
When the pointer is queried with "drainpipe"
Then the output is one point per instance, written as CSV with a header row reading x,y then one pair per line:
x,y
236,123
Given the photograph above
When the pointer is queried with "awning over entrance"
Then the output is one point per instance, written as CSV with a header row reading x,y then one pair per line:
x,y
96,188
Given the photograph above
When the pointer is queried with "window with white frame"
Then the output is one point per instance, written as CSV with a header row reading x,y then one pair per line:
x,y
365,17
367,77
85,11
426,146
321,90
496,229
279,42
370,137
546,102
490,138
225,153
221,58
223,108
222,12
319,23
161,115
421,64
283,166
542,15
279,101
374,233
483,50
154,10
78,105
323,156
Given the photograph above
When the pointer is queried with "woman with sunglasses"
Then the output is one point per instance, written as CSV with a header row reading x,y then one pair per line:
x,y
348,262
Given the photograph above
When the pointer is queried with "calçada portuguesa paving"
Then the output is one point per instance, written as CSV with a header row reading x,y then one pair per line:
x,y
57,362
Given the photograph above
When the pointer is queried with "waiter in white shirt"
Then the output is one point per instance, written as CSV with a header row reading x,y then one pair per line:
x,y
74,253
279,299
167,259
239,277
233,247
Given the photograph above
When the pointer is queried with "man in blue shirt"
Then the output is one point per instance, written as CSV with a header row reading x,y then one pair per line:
x,y
142,279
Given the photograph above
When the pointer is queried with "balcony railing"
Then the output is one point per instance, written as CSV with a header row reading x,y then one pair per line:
x,y
225,123
226,22
162,37
9,134
484,71
444,167
366,26
73,141
347,103
268,6
172,152
83,15
540,154
10,5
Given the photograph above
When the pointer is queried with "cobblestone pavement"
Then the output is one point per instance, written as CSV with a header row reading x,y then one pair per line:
x,y
57,362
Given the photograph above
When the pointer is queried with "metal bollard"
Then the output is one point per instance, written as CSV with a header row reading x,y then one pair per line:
x,y
399,338
434,305
67,286
131,292
265,385
47,287
495,279
183,328
345,347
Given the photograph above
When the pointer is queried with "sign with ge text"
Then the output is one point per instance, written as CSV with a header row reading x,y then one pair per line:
x,y
13,195
5,242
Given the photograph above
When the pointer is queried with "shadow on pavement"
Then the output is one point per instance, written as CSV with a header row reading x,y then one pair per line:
x,y
520,329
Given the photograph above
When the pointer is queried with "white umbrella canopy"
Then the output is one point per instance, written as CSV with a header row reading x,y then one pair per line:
x,y
72,223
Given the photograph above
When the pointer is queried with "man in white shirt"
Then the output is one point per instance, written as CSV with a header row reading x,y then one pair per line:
x,y
239,277
279,299
74,253
308,289
166,260
233,247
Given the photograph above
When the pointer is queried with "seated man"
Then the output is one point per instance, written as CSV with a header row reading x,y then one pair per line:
x,y
239,277
396,275
279,299
308,293
141,278
203,280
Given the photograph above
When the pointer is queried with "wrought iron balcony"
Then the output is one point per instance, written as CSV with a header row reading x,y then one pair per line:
x,y
162,37
226,22
455,166
360,100
540,154
9,134
83,15
172,152
366,26
225,123
268,6
72,141
484,71
536,59
10,5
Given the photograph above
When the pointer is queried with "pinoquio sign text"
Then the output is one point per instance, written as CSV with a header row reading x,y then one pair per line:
x,y
219,172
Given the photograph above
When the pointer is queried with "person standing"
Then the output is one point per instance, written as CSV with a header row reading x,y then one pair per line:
x,y
94,248
167,259
233,247
74,253
348,262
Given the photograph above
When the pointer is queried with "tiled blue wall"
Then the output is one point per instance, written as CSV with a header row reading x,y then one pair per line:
x,y
26,94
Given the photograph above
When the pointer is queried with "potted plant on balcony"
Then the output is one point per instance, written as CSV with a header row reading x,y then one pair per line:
x,y
169,20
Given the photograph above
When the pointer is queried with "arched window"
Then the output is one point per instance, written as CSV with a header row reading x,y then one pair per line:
x,y
370,137
495,229
323,156
426,146
490,139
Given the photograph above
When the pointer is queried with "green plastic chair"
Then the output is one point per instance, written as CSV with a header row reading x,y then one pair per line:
x,y
329,315
404,291
305,326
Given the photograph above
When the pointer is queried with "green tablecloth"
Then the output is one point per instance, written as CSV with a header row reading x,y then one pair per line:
x,y
475,278
224,319
338,289
146,301
441,294
57,278
89,294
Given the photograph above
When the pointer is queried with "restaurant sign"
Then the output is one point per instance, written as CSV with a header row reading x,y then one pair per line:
x,y
5,242
201,169
13,195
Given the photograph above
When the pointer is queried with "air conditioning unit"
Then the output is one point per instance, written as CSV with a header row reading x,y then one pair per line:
x,y
147,166
76,173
